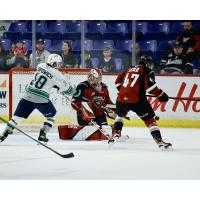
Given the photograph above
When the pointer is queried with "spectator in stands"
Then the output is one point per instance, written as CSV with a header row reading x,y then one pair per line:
x,y
20,53
176,62
2,59
20,49
11,58
88,61
191,40
41,53
107,63
68,57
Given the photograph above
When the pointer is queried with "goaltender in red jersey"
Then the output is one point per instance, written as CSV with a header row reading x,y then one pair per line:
x,y
91,102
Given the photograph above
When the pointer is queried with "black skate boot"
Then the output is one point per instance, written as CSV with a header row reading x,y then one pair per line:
x,y
164,145
42,137
5,135
116,134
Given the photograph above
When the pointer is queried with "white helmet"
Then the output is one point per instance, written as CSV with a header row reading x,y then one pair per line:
x,y
54,60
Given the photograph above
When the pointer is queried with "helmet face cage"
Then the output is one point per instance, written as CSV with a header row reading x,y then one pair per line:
x,y
95,79
58,64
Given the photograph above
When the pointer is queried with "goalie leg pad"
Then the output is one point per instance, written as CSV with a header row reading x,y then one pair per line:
x,y
80,133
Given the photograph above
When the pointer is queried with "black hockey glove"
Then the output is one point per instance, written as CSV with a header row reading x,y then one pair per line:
x,y
163,97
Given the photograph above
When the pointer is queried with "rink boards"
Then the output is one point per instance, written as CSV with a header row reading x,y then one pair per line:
x,y
180,113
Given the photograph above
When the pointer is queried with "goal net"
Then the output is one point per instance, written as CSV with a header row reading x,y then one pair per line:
x,y
65,113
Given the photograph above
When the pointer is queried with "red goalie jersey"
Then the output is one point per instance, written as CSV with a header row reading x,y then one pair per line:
x,y
97,99
134,83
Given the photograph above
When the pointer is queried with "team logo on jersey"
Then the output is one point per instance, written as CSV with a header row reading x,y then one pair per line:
x,y
98,100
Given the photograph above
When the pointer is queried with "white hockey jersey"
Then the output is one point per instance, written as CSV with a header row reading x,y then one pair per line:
x,y
45,79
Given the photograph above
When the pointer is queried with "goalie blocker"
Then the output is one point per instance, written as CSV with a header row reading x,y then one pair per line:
x,y
81,133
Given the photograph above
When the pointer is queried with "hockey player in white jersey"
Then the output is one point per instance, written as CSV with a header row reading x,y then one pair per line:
x,y
36,96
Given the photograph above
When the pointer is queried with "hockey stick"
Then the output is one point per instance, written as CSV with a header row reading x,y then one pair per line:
x,y
69,155
179,98
99,128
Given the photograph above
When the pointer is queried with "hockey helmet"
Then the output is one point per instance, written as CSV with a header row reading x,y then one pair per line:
x,y
54,60
146,61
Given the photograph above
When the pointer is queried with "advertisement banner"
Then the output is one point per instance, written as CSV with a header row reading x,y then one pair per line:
x,y
4,95
182,86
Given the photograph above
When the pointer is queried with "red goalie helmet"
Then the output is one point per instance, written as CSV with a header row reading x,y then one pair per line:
x,y
95,79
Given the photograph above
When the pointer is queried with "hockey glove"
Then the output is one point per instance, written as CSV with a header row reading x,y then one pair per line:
x,y
70,91
163,97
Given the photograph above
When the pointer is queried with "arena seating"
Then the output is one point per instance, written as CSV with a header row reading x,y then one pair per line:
x,y
124,45
95,30
157,31
28,44
156,37
115,31
100,44
6,43
73,31
16,30
165,45
47,43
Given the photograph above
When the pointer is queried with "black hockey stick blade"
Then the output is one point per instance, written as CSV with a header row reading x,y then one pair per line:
x,y
69,155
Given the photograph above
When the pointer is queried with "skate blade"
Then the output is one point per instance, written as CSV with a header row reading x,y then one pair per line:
x,y
123,138
166,149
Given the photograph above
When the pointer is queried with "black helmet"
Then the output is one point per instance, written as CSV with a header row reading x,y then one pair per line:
x,y
146,61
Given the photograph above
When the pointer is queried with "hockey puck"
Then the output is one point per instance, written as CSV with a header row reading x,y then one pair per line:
x,y
157,118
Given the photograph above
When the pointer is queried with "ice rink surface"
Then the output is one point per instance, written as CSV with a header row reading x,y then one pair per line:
x,y
137,158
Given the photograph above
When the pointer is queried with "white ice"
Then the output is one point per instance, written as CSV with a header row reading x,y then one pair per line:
x,y
137,158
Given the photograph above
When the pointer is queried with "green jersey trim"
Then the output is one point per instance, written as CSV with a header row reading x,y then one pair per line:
x,y
37,92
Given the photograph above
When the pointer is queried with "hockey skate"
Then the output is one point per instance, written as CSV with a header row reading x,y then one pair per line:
x,y
42,137
5,135
164,145
116,134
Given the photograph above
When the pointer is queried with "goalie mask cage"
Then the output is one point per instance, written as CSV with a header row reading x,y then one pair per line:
x,y
19,78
